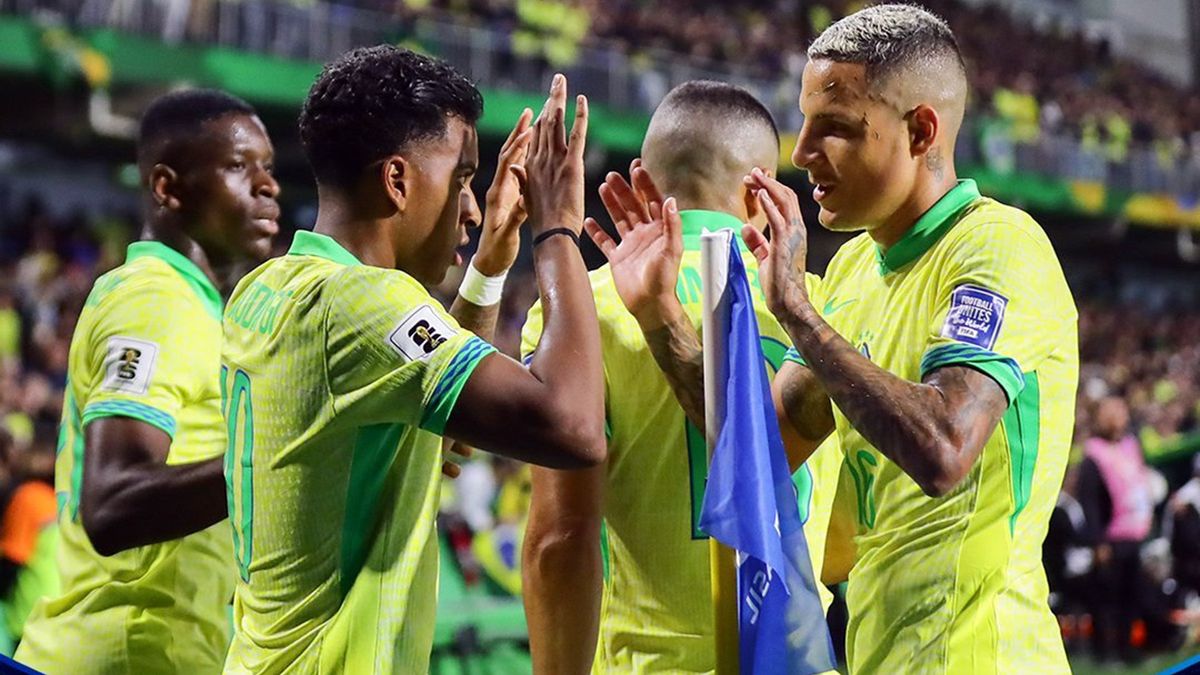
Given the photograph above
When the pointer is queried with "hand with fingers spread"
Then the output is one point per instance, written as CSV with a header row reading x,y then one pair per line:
x,y
504,210
552,176
645,265
782,260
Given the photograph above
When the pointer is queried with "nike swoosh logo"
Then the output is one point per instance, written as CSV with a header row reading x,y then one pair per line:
x,y
830,307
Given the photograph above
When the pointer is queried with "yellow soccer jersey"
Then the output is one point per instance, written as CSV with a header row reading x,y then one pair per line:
x,y
657,606
955,584
147,346
338,379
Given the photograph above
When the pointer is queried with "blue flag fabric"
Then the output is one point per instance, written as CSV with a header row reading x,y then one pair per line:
x,y
750,505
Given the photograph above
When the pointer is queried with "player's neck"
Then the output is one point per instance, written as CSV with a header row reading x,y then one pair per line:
x,y
929,189
367,239
175,239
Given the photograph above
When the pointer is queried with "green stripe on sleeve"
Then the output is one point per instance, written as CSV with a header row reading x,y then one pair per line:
x,y
445,394
1021,427
138,411
1002,369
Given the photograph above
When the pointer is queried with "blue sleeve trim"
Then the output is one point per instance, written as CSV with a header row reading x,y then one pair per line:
x,y
139,411
445,394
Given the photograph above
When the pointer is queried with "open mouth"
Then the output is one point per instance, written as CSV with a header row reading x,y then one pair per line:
x,y
822,190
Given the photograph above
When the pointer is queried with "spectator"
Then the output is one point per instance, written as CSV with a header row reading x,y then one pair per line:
x,y
28,536
1115,492
1181,528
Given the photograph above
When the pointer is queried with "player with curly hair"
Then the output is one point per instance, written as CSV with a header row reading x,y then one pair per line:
x,y
342,374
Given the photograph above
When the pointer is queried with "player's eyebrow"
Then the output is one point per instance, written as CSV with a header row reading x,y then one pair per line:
x,y
843,118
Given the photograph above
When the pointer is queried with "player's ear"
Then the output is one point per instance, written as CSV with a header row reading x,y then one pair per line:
x,y
396,174
754,212
923,128
165,187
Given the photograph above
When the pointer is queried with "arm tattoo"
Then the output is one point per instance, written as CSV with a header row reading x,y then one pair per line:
x,y
934,430
479,320
679,355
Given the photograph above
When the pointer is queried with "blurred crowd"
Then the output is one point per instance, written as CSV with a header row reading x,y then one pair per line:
x,y
1145,365
1035,81
1035,85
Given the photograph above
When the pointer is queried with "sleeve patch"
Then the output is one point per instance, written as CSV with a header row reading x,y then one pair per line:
x,y
420,333
128,365
975,317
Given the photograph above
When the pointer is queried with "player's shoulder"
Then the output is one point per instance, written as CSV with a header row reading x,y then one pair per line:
x,y
145,285
988,222
609,308
366,286
604,292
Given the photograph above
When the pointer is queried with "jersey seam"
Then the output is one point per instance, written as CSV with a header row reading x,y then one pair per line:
x,y
333,281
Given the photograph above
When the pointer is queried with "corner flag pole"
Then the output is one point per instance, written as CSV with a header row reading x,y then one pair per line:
x,y
714,273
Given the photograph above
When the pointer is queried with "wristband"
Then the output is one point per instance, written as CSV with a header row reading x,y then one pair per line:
x,y
558,230
480,290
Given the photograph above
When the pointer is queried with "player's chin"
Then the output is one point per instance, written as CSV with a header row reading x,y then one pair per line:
x,y
836,221
256,248
434,274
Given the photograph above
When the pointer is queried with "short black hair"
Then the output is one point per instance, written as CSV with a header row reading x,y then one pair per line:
x,y
375,101
720,98
180,114
704,138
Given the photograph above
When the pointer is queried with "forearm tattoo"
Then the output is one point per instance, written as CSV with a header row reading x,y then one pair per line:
x,y
479,320
677,351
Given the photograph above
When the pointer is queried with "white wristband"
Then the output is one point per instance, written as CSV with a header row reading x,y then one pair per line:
x,y
480,290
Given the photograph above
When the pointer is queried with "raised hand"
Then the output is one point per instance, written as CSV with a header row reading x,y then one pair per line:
x,y
552,177
645,265
504,211
781,261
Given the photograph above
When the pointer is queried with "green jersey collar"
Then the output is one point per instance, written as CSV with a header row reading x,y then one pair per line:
x,y
928,228
696,221
321,246
198,280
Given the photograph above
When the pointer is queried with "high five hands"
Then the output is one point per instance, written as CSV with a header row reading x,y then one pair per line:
x,y
782,260
645,264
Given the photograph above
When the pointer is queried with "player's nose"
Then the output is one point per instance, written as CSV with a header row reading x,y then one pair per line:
x,y
468,209
805,152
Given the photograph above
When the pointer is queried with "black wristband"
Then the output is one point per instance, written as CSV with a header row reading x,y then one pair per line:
x,y
558,230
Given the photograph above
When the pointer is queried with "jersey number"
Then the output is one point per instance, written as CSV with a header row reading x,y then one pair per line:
x,y
239,464
773,351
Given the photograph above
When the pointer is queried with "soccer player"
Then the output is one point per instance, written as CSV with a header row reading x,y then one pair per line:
x,y
145,553
644,502
342,373
952,362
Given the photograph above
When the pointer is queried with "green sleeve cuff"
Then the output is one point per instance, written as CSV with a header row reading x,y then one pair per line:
x,y
445,394
138,411
794,356
1002,369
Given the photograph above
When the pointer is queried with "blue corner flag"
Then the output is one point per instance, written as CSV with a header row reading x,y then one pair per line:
x,y
750,505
